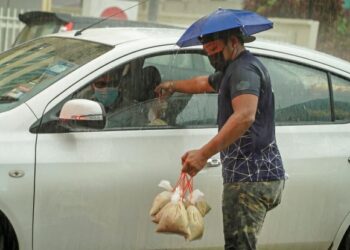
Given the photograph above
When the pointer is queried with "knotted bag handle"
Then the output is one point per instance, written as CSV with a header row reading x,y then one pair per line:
x,y
185,184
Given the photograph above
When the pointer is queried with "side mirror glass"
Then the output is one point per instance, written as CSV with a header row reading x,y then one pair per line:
x,y
82,114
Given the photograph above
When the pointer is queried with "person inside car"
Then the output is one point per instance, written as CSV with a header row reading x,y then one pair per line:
x,y
128,97
107,93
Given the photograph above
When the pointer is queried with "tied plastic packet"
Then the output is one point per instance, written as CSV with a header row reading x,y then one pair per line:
x,y
195,218
174,218
162,198
201,204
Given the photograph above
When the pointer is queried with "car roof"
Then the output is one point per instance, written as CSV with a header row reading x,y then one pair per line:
x,y
113,36
301,52
118,35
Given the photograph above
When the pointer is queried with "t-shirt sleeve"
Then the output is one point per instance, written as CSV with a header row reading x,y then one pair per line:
x,y
244,81
215,80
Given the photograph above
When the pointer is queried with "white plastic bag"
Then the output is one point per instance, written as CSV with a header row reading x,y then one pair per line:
x,y
162,198
195,223
174,218
197,199
195,218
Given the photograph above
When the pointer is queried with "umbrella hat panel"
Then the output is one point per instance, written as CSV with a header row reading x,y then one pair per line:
x,y
224,19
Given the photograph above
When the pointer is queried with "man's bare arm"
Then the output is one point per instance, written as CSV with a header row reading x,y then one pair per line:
x,y
240,121
199,84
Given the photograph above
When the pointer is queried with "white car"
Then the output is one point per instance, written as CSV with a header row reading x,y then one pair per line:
x,y
74,175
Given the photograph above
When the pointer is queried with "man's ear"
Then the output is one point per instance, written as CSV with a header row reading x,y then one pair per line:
x,y
234,41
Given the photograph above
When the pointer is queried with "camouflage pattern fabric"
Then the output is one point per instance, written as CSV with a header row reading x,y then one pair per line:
x,y
244,207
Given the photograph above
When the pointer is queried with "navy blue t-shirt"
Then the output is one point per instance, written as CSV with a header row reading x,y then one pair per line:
x,y
255,155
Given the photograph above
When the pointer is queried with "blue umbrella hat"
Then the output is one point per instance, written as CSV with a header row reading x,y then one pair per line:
x,y
247,22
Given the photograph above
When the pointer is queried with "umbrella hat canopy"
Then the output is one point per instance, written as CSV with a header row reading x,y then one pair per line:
x,y
224,19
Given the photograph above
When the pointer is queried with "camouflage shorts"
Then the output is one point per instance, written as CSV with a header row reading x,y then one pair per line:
x,y
244,206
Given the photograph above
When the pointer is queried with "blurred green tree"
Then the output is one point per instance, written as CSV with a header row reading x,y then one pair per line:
x,y
334,29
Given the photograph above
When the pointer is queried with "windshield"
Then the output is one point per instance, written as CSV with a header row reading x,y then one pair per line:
x,y
28,69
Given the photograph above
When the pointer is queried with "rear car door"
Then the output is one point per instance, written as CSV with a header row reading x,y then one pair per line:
x,y
94,188
312,116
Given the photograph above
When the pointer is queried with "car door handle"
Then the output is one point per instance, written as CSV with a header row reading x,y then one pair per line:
x,y
212,162
16,173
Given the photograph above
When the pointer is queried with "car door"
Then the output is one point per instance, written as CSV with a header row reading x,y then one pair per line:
x,y
313,136
94,189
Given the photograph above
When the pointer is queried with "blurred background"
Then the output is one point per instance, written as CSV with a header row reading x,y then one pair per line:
x,y
322,25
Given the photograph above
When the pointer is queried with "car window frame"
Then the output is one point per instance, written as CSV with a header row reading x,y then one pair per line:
x,y
174,51
81,83
329,70
166,48
330,77
329,95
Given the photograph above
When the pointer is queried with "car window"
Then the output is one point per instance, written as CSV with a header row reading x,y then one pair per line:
x,y
127,94
341,96
28,69
182,65
200,111
301,92
179,110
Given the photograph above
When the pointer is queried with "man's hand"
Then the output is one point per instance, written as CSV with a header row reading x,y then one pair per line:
x,y
193,161
165,89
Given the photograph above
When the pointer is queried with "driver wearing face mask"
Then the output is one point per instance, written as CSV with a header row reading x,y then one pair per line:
x,y
106,93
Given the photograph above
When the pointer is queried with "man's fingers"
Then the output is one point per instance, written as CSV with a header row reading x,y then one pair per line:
x,y
192,172
184,164
159,89
185,170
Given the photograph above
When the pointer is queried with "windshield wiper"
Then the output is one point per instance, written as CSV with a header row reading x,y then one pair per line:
x,y
7,99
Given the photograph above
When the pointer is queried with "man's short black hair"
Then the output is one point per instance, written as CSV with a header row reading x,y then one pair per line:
x,y
224,35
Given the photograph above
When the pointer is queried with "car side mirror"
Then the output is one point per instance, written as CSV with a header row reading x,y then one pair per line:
x,y
82,114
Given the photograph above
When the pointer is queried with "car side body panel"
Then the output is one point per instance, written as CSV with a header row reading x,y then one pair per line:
x,y
341,232
311,211
17,153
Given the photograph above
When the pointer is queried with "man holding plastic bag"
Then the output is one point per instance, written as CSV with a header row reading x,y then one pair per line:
x,y
253,172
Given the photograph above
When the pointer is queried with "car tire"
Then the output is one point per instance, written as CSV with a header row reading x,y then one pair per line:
x,y
8,238
345,243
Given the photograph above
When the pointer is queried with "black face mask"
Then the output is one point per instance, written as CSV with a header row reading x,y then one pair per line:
x,y
218,61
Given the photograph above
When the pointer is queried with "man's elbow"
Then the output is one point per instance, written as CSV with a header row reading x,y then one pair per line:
x,y
247,120
250,120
